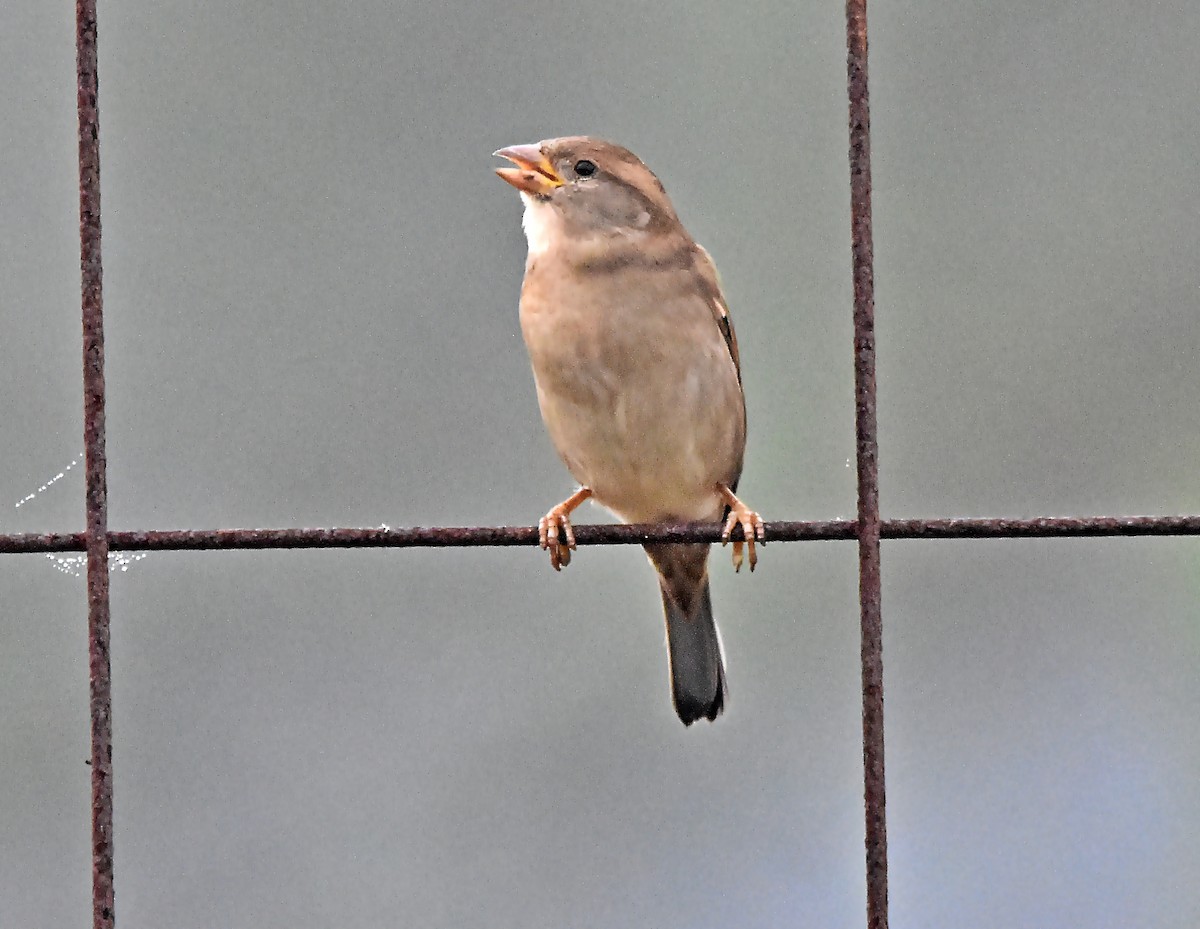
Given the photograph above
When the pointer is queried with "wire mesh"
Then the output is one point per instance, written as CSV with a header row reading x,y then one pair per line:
x,y
867,530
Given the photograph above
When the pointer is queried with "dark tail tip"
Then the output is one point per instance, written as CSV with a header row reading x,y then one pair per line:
x,y
698,685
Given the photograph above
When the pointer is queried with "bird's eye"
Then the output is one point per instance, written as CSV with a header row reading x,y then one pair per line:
x,y
585,168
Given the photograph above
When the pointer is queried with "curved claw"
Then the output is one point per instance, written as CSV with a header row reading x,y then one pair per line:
x,y
753,528
556,536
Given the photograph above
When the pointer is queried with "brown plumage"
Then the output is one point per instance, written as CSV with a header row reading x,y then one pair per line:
x,y
638,376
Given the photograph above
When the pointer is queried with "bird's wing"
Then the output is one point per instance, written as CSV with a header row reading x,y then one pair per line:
x,y
710,286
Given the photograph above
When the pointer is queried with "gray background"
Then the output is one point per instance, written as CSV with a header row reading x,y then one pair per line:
x,y
311,279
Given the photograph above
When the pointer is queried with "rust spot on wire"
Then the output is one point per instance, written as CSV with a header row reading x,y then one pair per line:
x,y
96,537
869,584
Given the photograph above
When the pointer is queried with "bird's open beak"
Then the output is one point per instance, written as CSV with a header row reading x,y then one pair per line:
x,y
533,174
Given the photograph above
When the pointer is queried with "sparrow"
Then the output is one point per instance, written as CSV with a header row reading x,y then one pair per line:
x,y
638,378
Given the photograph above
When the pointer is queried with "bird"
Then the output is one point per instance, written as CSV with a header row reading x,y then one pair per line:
x,y
638,378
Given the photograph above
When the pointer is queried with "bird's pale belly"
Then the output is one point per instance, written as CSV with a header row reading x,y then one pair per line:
x,y
650,444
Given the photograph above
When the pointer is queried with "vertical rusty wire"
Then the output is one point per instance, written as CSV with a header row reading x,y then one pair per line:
x,y
99,666
869,581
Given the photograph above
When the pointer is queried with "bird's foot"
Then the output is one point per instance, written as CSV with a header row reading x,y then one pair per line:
x,y
753,529
554,529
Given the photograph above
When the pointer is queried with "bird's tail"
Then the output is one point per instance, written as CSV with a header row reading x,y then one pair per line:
x,y
697,660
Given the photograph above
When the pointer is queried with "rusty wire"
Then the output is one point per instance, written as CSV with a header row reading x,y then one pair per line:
x,y
868,529
867,454
180,540
96,536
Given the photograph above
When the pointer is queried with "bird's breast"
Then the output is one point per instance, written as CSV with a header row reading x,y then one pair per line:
x,y
638,391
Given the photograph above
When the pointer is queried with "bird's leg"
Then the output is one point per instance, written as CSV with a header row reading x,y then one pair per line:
x,y
554,529
752,527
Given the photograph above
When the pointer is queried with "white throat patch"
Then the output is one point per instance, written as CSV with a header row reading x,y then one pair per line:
x,y
541,223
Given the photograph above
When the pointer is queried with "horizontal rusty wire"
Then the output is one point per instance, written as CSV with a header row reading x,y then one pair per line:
x,y
164,540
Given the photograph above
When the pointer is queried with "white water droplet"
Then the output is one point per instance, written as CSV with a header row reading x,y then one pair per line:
x,y
76,565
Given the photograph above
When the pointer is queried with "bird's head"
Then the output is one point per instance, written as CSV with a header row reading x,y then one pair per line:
x,y
586,188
